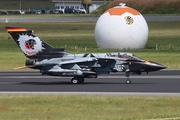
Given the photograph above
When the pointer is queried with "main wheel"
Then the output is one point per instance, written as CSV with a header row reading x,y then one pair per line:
x,y
128,81
74,81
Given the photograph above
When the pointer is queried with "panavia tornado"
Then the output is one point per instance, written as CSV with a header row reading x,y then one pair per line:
x,y
57,62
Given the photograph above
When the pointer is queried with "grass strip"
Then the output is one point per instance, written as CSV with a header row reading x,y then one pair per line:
x,y
82,107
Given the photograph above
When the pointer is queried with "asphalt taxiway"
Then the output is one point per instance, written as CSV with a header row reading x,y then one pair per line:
x,y
165,81
78,19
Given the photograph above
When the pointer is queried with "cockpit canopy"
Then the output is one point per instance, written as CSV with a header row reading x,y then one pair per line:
x,y
125,56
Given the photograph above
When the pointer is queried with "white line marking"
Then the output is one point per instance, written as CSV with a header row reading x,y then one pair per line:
x,y
92,93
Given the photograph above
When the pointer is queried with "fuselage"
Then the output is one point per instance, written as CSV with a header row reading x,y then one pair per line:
x,y
102,63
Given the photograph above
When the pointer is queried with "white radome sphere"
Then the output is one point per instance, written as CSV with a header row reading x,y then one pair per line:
x,y
121,27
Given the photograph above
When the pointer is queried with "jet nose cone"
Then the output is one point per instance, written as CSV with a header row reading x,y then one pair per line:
x,y
159,67
153,66
163,67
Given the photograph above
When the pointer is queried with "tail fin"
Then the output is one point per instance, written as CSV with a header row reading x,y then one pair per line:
x,y
32,46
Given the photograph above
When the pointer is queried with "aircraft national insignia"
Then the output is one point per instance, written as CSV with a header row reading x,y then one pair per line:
x,y
129,20
30,45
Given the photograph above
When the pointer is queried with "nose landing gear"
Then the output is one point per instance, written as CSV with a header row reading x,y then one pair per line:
x,y
128,81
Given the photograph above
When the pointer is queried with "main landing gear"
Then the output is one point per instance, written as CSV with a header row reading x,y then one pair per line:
x,y
77,80
80,79
128,81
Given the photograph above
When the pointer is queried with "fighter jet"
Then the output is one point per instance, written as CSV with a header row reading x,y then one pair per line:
x,y
56,62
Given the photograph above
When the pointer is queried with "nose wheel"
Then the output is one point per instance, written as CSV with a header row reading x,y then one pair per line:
x,y
128,81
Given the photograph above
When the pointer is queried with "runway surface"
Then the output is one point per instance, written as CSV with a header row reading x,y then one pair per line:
x,y
81,19
166,81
